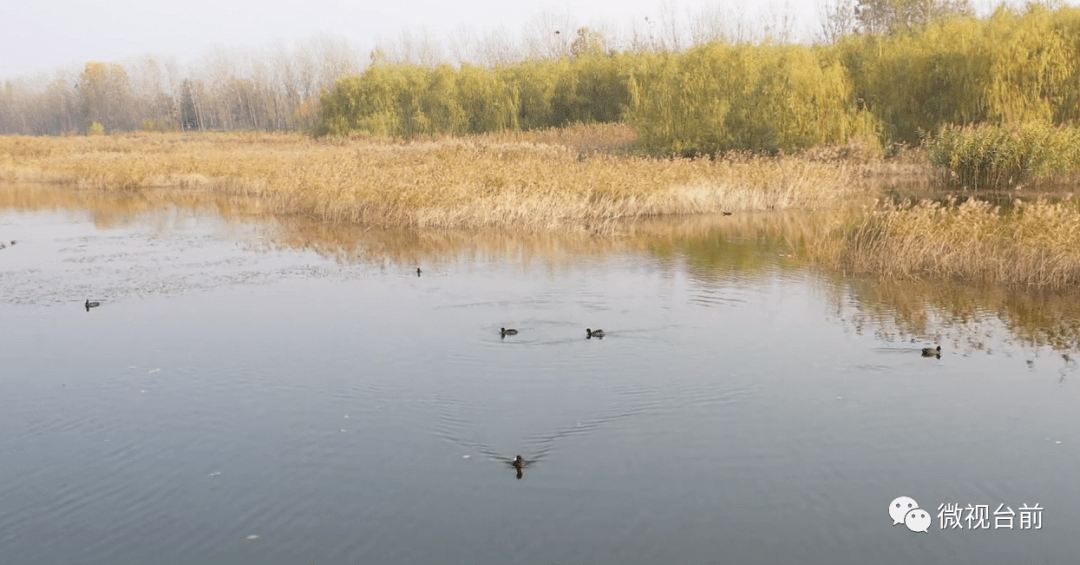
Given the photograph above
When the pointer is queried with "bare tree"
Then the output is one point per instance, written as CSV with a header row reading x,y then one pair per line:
x,y
707,24
890,16
420,48
837,19
671,26
549,35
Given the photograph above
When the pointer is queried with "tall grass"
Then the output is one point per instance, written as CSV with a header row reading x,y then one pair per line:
x,y
988,156
436,182
1031,245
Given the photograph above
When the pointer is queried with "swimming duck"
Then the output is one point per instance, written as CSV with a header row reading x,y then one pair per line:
x,y
932,352
594,333
418,271
519,464
90,305
506,332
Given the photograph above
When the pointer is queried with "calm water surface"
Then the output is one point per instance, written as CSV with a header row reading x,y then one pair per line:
x,y
352,412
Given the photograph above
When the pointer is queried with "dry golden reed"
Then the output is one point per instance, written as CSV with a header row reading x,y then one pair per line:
x,y
1032,245
495,181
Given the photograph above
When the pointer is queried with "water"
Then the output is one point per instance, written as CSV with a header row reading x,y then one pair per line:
x,y
232,401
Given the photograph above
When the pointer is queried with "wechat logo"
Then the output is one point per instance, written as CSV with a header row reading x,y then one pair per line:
x,y
905,510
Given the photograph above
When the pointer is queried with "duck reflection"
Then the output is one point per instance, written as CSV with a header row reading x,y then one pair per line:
x,y
519,464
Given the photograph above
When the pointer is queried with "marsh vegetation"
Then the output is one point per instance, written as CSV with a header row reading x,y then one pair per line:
x,y
350,298
596,134
492,181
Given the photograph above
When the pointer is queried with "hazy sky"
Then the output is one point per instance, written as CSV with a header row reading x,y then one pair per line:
x,y
42,35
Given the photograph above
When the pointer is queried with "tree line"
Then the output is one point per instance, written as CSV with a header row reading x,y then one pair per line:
x,y
896,87
895,71
276,90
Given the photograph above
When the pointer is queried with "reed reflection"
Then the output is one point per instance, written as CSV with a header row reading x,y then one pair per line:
x,y
714,250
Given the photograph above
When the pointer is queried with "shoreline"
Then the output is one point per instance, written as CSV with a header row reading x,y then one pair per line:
x,y
585,181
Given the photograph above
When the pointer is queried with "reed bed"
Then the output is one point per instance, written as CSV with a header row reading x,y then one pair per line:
x,y
1031,244
445,182
583,180
586,139
989,156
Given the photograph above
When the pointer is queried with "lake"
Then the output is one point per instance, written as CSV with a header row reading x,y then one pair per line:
x,y
250,392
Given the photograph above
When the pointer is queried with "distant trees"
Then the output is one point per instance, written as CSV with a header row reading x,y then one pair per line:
x,y
588,42
890,16
784,98
1009,67
274,90
556,72
844,17
401,100
190,117
894,70
51,108
105,98
897,88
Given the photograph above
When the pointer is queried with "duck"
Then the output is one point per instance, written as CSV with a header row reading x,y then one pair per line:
x,y
90,305
418,271
932,352
519,463
594,333
505,332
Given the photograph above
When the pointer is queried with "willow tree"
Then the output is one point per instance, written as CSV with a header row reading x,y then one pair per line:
x,y
1034,70
593,90
720,97
387,99
488,102
532,85
915,83
440,103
